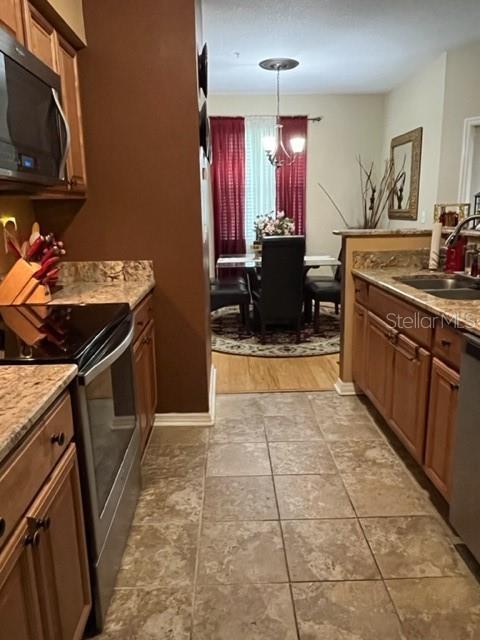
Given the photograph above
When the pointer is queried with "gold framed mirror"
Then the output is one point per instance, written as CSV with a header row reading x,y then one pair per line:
x,y
406,158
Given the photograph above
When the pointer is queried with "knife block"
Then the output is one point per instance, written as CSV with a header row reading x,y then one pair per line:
x,y
21,287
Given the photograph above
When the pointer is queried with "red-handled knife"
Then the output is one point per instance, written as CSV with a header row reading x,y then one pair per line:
x,y
46,267
36,247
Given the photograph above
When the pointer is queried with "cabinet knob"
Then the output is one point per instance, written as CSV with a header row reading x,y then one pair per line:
x,y
445,343
3,526
58,438
32,539
43,523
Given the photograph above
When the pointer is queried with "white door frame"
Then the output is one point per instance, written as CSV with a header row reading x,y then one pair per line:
x,y
466,160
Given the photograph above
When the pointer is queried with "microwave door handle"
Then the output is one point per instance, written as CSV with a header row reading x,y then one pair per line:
x,y
68,141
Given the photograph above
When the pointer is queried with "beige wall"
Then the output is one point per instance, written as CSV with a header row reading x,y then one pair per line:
x,y
351,125
462,100
418,102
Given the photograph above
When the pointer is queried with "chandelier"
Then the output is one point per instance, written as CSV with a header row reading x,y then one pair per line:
x,y
277,153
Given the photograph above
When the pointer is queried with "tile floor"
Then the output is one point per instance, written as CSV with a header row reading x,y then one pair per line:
x,y
291,519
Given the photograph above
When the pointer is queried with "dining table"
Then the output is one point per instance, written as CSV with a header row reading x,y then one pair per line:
x,y
252,261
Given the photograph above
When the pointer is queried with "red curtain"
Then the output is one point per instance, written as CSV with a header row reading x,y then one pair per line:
x,y
292,180
228,184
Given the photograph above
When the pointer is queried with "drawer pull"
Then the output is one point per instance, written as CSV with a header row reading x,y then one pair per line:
x,y
445,343
43,523
32,539
140,323
58,438
455,387
3,526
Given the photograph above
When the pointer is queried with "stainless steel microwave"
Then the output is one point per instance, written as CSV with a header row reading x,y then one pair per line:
x,y
34,133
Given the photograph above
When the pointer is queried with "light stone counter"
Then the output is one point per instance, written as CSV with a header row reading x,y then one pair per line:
x,y
26,392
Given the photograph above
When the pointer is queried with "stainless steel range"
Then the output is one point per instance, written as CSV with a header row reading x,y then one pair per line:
x,y
98,339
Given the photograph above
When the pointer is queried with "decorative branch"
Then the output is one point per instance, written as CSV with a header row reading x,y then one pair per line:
x,y
337,208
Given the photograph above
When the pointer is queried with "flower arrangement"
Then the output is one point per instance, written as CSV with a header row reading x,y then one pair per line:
x,y
274,225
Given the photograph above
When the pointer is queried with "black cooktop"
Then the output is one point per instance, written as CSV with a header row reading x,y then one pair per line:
x,y
53,334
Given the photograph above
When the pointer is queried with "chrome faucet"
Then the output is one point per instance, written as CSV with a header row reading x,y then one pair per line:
x,y
453,237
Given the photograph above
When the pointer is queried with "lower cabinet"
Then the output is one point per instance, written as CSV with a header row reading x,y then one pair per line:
x,y
358,355
44,579
409,397
442,420
378,362
145,380
415,393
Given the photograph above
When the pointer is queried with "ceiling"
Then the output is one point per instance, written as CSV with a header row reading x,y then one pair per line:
x,y
344,46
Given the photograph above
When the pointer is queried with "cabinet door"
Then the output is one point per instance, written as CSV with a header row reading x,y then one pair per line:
x,y
68,70
11,18
140,363
379,363
358,353
19,599
410,383
61,565
441,426
152,374
40,36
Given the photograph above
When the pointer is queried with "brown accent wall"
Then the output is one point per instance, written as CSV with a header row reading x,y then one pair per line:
x,y
140,107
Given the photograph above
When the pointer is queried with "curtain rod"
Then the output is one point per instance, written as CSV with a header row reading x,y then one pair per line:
x,y
269,115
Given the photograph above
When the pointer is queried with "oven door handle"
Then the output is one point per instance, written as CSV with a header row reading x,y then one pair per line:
x,y
110,358
68,136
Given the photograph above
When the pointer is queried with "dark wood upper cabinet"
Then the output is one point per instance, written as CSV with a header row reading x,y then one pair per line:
x,y
40,36
11,18
68,70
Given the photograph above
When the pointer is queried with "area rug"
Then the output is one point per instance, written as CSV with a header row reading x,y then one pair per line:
x,y
230,336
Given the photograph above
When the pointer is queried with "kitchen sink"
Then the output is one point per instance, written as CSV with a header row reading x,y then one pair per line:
x,y
436,283
456,294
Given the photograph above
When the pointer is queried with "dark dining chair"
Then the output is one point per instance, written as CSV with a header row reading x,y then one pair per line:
x,y
231,292
323,289
277,295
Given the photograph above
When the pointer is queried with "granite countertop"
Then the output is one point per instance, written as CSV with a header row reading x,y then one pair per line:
x,y
102,292
26,392
462,314
346,233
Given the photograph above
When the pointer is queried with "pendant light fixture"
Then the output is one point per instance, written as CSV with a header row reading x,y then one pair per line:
x,y
278,154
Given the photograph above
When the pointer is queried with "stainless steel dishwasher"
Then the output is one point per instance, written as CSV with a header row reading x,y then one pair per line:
x,y
465,498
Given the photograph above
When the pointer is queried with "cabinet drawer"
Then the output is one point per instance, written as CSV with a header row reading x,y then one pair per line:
x,y
406,318
142,314
22,477
361,291
447,345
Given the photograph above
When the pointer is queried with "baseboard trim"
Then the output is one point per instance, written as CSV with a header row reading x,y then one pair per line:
x,y
346,388
205,419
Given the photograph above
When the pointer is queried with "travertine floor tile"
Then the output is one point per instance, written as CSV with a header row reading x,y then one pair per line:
x,y
245,429
301,457
365,456
245,498
386,493
239,612
348,428
438,608
178,435
312,496
330,403
142,614
241,552
241,405
239,459
292,428
346,611
412,547
327,550
286,404
170,461
170,500
159,554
